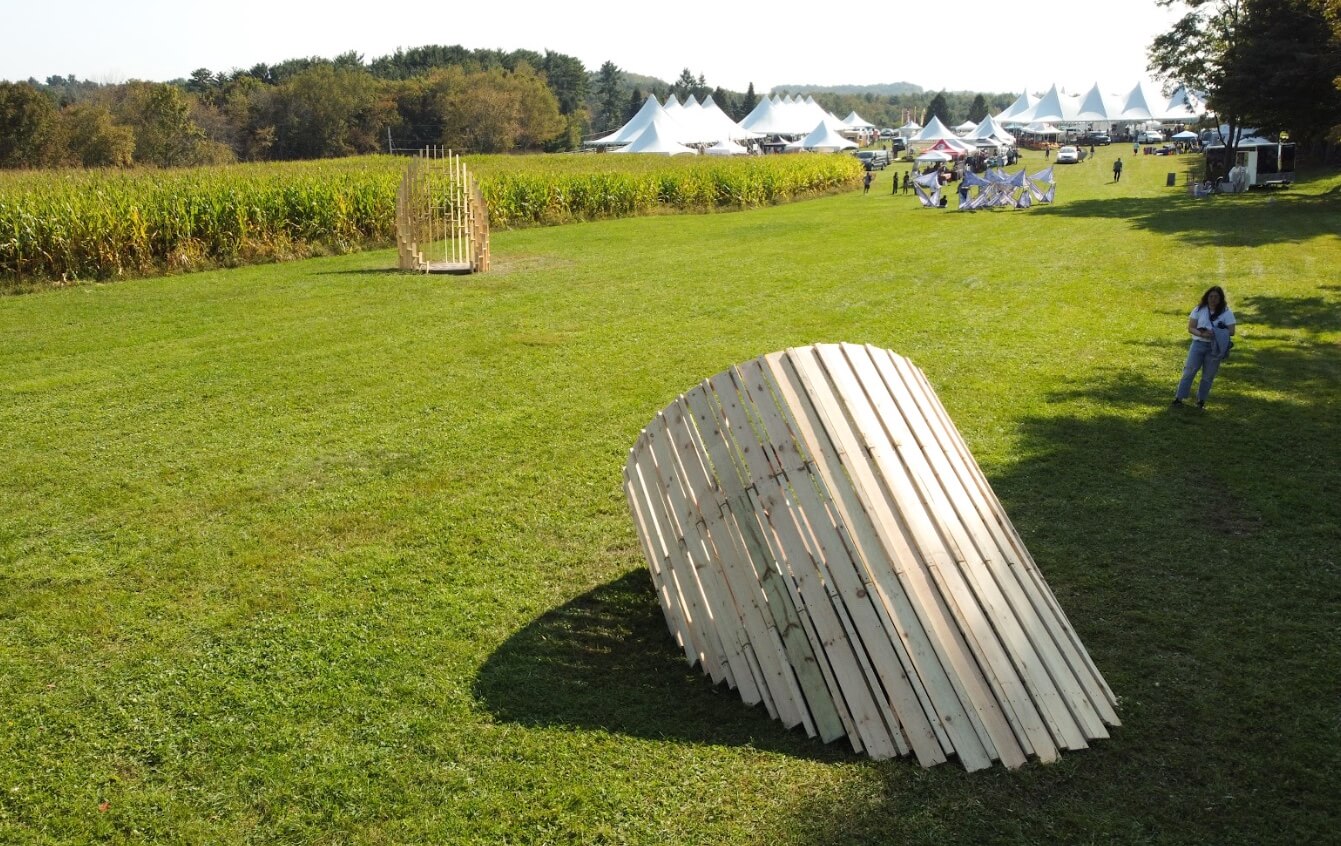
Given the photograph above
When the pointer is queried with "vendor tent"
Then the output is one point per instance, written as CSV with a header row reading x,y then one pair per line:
x,y
934,156
991,130
631,130
658,138
934,131
1185,135
856,121
966,127
726,148
1022,104
825,139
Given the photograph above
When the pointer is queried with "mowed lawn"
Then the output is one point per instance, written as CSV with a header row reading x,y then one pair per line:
x,y
324,553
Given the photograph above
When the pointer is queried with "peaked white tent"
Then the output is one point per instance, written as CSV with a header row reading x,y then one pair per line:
x,y
726,147
726,128
659,138
991,130
856,121
631,130
1053,106
966,127
1022,104
825,139
934,131
1097,106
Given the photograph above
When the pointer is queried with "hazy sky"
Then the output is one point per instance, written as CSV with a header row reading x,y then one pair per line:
x,y
984,45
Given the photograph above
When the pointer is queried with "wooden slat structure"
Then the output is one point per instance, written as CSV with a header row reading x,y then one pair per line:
x,y
442,223
821,540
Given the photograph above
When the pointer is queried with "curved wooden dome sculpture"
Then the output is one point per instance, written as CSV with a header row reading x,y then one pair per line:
x,y
821,540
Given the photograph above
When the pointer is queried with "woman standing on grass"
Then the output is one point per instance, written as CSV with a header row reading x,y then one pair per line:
x,y
1211,324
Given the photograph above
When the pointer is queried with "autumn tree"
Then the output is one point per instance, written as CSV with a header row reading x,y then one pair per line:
x,y
95,139
30,130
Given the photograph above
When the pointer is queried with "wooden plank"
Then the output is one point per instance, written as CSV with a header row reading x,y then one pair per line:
x,y
847,681
789,624
1054,687
703,556
697,613
1100,695
655,554
678,576
1022,681
763,650
964,725
908,640
748,573
938,560
873,629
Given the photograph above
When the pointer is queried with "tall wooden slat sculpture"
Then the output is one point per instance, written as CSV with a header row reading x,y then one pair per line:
x,y
442,223
821,540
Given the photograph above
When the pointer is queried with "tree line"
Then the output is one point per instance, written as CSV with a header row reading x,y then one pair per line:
x,y
472,100
1272,65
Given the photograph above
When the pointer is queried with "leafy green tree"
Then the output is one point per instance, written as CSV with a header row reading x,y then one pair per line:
x,y
1197,51
160,117
95,139
1288,61
978,110
608,90
329,111
30,131
494,110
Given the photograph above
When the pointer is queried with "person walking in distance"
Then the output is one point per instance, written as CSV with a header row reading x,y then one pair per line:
x,y
1211,325
1117,170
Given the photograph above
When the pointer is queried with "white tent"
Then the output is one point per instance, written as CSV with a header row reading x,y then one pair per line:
x,y
909,128
934,156
1097,106
991,130
934,131
825,139
727,128
966,127
1185,135
1022,104
726,148
1039,127
1142,103
659,138
856,121
631,130
1054,106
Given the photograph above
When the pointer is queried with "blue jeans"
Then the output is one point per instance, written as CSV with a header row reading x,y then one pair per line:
x,y
1198,358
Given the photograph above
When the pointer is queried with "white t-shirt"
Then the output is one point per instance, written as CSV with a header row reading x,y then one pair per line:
x,y
1202,314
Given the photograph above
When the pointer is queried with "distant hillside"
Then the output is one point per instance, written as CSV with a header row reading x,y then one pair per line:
x,y
889,89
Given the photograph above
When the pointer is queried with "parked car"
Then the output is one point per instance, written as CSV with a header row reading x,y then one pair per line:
x,y
886,133
1096,139
1068,155
1152,136
874,159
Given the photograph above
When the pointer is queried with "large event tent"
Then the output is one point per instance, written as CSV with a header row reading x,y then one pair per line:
x,y
1138,105
824,139
934,131
658,137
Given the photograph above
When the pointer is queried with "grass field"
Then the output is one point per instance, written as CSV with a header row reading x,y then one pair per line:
x,y
322,553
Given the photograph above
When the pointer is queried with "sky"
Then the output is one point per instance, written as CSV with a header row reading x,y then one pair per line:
x,y
983,45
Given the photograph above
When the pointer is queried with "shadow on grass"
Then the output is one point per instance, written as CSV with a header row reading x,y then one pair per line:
x,y
1198,555
1245,220
605,661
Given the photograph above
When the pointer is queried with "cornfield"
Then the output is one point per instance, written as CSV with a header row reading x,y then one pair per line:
x,y
73,225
